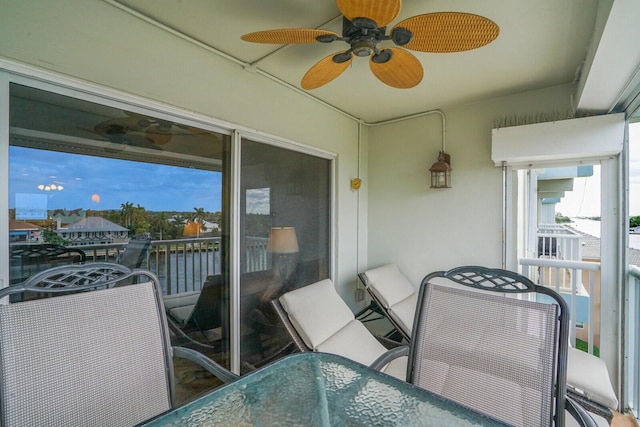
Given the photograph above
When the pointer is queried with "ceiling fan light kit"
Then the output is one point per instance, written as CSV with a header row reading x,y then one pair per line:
x,y
364,26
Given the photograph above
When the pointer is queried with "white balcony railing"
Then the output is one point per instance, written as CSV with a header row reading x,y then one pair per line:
x,y
632,356
568,279
182,265
560,242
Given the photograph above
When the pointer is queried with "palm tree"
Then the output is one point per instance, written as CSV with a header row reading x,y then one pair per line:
x,y
198,217
139,214
160,221
176,226
126,213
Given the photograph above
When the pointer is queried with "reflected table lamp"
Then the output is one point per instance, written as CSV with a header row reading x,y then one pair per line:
x,y
283,244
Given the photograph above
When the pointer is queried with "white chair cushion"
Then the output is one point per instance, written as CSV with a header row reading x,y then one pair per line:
x,y
317,312
354,342
181,314
180,306
404,312
588,375
389,284
397,368
180,300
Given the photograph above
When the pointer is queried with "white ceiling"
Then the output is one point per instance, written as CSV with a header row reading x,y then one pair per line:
x,y
542,43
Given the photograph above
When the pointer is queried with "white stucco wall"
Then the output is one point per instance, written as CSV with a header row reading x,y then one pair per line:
x,y
98,43
423,229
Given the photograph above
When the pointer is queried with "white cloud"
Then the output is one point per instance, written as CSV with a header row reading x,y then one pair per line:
x,y
584,200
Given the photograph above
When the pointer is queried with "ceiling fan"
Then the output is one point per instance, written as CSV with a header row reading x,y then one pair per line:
x,y
364,26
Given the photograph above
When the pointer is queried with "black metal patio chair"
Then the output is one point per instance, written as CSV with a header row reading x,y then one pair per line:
x,y
493,340
28,259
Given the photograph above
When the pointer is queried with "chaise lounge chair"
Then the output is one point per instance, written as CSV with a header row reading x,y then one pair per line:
x,y
197,311
395,296
318,319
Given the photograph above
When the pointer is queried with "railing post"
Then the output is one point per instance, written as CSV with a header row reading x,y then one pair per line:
x,y
632,350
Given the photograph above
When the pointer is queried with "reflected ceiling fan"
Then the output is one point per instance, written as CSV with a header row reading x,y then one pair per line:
x,y
144,131
364,26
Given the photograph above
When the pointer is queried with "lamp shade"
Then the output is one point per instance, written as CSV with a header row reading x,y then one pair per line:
x,y
283,240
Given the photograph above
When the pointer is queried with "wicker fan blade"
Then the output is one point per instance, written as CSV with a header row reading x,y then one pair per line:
x,y
449,32
287,36
402,71
380,11
323,72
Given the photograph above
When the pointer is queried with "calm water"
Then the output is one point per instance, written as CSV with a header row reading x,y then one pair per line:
x,y
185,272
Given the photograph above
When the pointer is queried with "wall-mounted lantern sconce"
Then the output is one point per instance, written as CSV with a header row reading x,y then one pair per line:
x,y
441,171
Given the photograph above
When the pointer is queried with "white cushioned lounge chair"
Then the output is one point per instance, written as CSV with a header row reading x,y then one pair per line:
x,y
394,294
318,319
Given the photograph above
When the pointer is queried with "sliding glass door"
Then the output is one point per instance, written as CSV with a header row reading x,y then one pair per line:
x,y
93,179
285,234
91,183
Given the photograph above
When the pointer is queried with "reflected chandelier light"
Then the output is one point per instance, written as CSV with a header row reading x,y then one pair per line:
x,y
50,187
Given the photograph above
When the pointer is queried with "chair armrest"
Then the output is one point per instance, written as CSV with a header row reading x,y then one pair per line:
x,y
579,413
385,358
591,406
220,372
388,343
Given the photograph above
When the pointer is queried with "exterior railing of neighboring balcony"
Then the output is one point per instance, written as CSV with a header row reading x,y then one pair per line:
x,y
632,339
567,278
559,241
182,265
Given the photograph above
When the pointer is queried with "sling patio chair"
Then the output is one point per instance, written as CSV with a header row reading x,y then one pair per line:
x,y
588,380
318,319
197,311
135,252
94,354
493,340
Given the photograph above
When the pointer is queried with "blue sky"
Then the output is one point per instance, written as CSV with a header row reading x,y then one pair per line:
x,y
99,183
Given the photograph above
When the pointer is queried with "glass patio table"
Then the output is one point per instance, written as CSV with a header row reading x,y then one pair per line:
x,y
319,389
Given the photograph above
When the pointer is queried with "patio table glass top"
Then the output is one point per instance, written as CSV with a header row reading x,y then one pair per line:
x,y
319,389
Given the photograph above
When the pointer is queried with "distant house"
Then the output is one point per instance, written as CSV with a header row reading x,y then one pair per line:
x,y
24,232
93,230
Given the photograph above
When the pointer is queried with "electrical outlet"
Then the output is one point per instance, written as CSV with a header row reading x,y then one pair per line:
x,y
359,295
